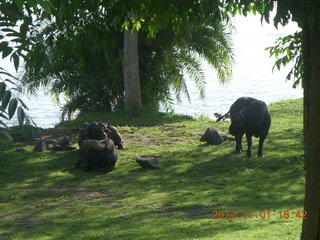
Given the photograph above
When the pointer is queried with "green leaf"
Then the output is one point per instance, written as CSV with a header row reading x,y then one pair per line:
x,y
5,99
2,89
12,107
6,52
8,30
32,3
3,45
4,116
278,64
13,83
46,6
23,28
8,74
13,34
23,104
16,61
5,133
21,115
19,4
19,40
62,9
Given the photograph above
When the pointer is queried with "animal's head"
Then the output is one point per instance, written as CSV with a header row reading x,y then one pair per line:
x,y
97,131
115,136
100,131
237,125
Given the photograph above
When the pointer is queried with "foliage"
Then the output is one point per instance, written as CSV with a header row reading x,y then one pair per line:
x,y
17,42
84,61
86,68
289,49
79,42
9,104
285,10
16,23
45,199
166,59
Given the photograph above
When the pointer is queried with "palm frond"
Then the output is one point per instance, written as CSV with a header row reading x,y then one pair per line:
x,y
212,43
192,67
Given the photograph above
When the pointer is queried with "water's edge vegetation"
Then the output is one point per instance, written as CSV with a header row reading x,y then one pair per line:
x,y
42,198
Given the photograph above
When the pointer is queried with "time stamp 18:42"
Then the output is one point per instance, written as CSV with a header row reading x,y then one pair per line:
x,y
259,214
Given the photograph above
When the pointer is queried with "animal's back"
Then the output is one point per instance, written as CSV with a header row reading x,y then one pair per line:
x,y
258,119
241,104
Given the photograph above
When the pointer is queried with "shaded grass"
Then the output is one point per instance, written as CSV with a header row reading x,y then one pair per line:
x,y
134,118
41,198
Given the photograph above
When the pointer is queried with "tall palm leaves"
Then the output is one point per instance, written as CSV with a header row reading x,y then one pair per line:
x,y
169,57
10,105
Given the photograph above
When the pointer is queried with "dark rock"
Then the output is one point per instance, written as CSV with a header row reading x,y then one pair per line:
x,y
53,144
57,147
68,147
150,162
51,141
212,136
64,141
64,144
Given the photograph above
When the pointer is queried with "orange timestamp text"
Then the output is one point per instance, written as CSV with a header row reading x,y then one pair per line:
x,y
286,214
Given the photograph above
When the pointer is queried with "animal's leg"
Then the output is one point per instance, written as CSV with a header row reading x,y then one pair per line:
x,y
249,142
261,140
239,143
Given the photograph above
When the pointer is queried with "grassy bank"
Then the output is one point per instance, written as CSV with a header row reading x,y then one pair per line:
x,y
40,198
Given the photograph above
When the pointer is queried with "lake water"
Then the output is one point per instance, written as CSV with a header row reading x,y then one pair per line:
x,y
252,76
252,72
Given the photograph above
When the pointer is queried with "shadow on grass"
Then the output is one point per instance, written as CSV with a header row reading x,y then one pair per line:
x,y
136,118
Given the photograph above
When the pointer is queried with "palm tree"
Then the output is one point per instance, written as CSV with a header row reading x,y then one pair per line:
x,y
166,59
88,69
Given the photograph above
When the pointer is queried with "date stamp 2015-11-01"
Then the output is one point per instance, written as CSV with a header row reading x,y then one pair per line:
x,y
268,214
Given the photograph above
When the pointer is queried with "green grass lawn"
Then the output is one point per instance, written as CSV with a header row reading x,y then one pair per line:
x,y
42,198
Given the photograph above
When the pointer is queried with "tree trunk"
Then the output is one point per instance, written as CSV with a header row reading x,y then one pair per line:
x,y
311,55
131,71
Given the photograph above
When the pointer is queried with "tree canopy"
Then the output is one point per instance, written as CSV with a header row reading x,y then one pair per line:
x,y
76,48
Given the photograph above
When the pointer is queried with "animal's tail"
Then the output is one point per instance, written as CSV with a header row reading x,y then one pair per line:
x,y
222,117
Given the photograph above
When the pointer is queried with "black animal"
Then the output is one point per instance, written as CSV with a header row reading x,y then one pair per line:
x,y
251,117
98,143
97,155
99,131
